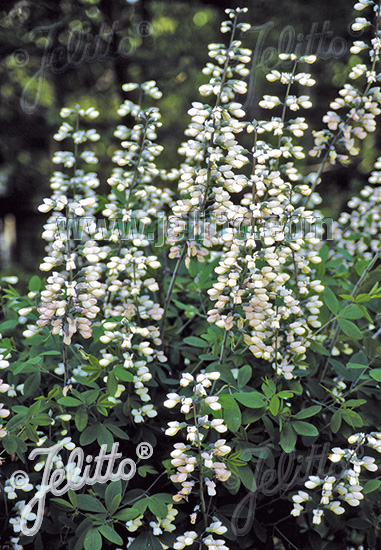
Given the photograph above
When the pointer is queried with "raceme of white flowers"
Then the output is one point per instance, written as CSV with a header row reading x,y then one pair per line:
x,y
354,112
343,488
267,304
363,219
198,455
244,207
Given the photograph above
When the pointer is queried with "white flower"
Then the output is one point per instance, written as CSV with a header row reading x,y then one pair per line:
x,y
317,514
336,455
3,359
336,507
174,427
185,540
360,23
313,481
358,46
186,379
173,399
218,425
359,6
130,86
356,438
269,102
302,496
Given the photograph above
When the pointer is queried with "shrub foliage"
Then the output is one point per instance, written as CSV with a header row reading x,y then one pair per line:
x,y
227,328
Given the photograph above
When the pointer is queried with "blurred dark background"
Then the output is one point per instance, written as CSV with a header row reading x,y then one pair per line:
x,y
60,53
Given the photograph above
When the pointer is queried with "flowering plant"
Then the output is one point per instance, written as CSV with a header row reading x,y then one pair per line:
x,y
222,323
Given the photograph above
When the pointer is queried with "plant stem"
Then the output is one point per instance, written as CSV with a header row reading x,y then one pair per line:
x,y
201,473
171,286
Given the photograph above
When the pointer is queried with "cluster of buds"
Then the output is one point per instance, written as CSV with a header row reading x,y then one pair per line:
x,y
212,153
69,300
165,524
68,307
209,541
262,302
353,113
198,454
133,212
363,220
345,487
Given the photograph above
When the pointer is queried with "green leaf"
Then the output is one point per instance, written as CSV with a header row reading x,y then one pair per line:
x,y
88,396
140,542
127,514
324,252
32,383
244,375
305,428
371,485
342,370
347,297
247,477
285,394
350,329
33,409
41,420
232,416
141,505
157,506
81,419
8,325
90,504
123,374
287,438
73,497
253,400
9,443
114,504
110,534
190,309
376,374
145,541
354,312
120,434
196,342
274,405
144,470
308,412
345,253
34,284
365,313
114,488
354,403
89,435
318,348
31,433
112,384
61,503
352,418
268,388
330,300
93,540
359,358
69,401
104,437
